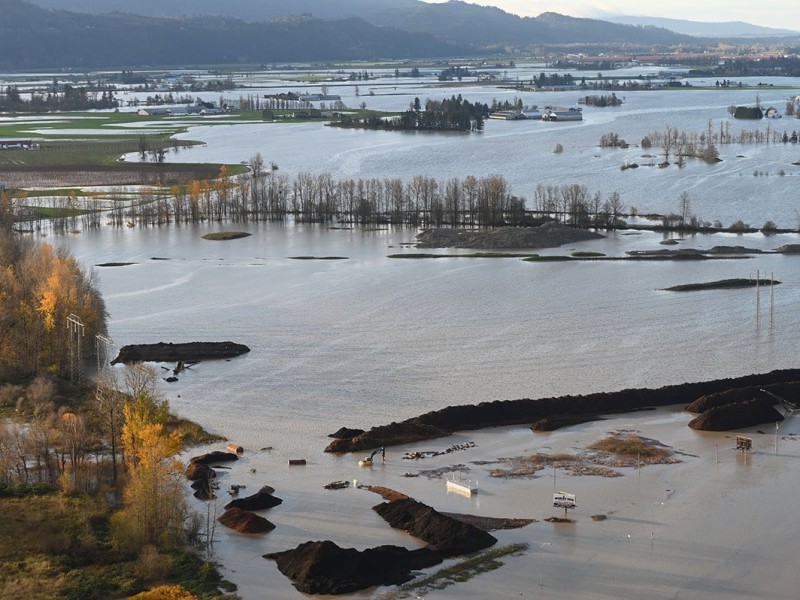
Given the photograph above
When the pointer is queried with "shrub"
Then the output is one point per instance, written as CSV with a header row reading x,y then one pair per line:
x,y
166,592
9,394
739,226
748,112
630,445
152,565
769,228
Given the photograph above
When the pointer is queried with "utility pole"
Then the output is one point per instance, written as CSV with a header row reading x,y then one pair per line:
x,y
758,295
771,298
776,438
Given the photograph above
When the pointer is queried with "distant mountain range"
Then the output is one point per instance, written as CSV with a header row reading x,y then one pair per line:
x,y
55,33
32,37
723,29
246,10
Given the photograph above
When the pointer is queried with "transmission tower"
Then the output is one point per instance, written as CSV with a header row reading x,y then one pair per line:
x,y
104,349
75,327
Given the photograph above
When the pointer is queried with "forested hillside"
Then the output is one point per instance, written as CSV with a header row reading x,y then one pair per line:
x,y
32,37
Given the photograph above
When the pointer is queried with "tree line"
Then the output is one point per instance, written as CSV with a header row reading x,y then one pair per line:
x,y
267,195
70,98
681,144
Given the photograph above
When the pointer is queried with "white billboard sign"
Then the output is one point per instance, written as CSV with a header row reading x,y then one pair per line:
x,y
564,500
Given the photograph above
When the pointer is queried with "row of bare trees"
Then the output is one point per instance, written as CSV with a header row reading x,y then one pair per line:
x,y
574,204
422,201
680,144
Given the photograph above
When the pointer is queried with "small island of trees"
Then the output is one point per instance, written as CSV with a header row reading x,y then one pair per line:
x,y
455,114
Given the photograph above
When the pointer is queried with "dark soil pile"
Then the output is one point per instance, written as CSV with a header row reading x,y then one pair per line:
x,y
202,475
741,407
187,352
196,471
244,521
449,536
549,235
736,415
261,500
490,523
343,433
217,456
554,422
204,488
405,432
788,390
325,568
443,422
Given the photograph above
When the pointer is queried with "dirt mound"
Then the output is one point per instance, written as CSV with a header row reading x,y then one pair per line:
x,y
325,568
387,493
736,415
244,521
217,456
445,534
196,471
490,523
400,433
549,235
788,390
343,433
554,422
441,423
187,352
261,500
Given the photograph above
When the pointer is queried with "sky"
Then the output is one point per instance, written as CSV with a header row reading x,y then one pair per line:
x,y
778,13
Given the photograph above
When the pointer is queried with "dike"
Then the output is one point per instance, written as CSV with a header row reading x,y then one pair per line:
x,y
499,413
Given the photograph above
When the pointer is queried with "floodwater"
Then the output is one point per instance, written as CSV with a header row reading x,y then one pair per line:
x,y
368,339
753,183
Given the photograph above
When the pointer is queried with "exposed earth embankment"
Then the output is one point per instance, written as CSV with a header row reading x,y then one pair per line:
x,y
441,423
549,235
169,352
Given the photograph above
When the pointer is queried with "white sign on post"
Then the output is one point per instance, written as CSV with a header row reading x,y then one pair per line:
x,y
564,500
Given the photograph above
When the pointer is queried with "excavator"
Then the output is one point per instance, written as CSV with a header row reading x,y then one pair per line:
x,y
788,406
367,460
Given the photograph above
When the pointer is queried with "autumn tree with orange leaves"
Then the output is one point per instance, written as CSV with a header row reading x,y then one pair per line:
x,y
39,288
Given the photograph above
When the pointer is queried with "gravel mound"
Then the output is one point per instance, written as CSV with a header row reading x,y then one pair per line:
x,y
549,235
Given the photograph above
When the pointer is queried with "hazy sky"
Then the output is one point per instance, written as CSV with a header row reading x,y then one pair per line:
x,y
778,13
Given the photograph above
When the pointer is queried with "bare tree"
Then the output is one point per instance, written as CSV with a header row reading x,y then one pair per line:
x,y
138,379
106,408
685,205
614,207
256,164
75,440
